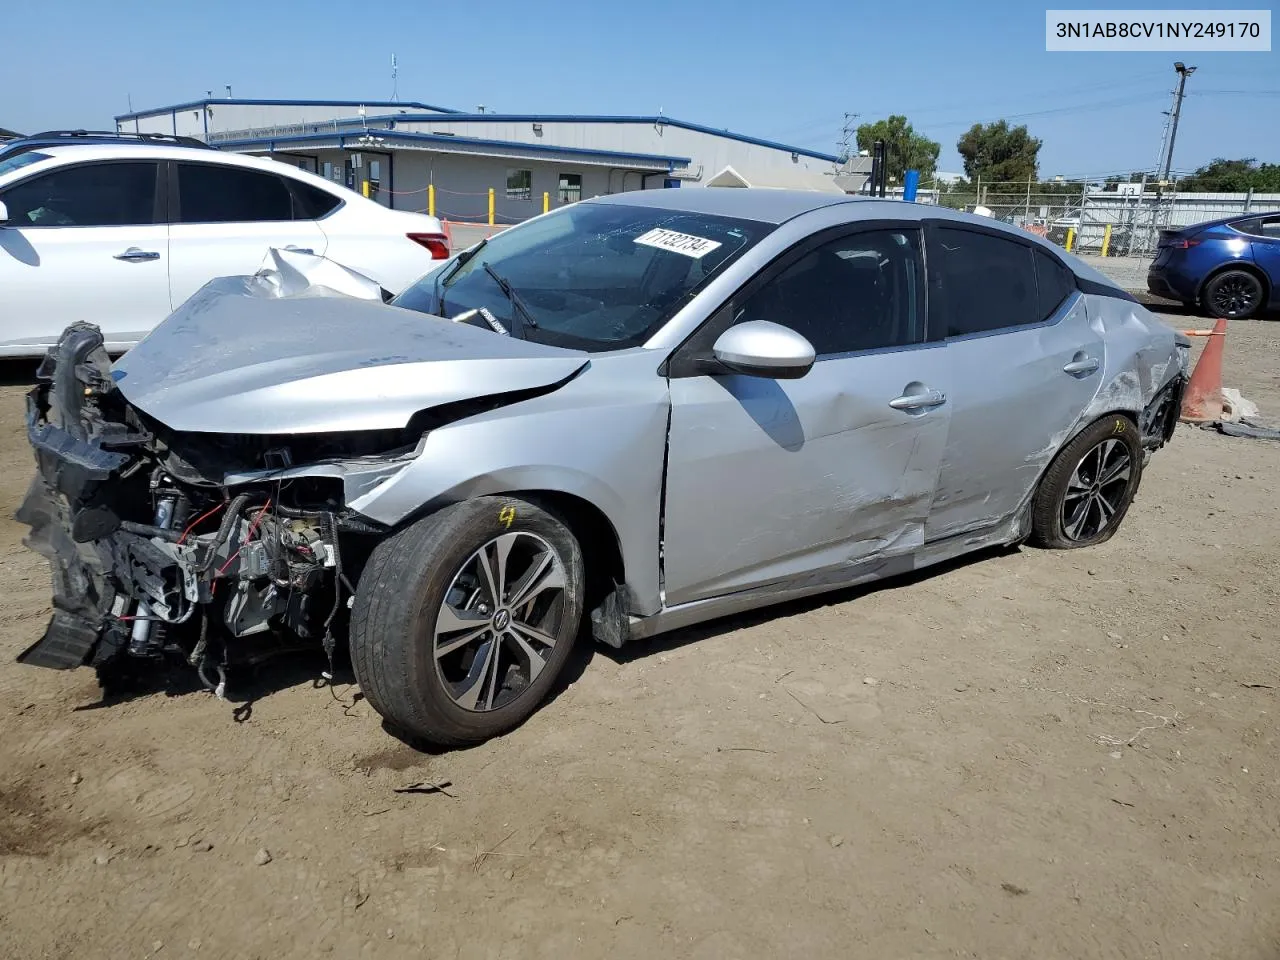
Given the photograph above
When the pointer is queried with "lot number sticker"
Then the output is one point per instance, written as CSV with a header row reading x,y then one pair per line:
x,y
689,245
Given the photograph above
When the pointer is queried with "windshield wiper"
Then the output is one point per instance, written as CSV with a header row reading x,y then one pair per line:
x,y
526,318
461,261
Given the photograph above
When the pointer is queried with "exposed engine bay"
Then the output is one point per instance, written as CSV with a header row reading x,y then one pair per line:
x,y
151,551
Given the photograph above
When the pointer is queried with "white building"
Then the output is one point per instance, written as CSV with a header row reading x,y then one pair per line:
x,y
396,151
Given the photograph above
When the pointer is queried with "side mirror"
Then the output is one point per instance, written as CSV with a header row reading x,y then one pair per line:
x,y
759,348
4,214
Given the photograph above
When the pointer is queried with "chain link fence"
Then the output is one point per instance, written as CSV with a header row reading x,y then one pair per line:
x,y
1081,213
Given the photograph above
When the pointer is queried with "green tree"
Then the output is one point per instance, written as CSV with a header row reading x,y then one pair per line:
x,y
999,153
904,149
1233,176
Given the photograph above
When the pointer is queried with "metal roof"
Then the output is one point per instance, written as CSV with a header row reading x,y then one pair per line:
x,y
451,114
209,101
451,144
588,118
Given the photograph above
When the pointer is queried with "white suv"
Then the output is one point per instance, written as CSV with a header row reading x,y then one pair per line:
x,y
121,234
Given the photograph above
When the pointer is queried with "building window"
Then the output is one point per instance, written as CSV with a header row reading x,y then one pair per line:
x,y
570,187
519,184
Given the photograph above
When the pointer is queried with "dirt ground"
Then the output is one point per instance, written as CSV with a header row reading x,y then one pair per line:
x,y
1028,754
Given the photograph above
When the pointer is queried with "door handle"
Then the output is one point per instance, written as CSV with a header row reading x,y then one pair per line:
x,y
1086,365
918,401
134,255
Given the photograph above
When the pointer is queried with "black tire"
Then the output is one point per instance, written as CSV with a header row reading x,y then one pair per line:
x,y
1234,294
399,601
1055,519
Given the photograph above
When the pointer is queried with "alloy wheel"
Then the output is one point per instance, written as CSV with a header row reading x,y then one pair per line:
x,y
1235,295
1095,493
499,621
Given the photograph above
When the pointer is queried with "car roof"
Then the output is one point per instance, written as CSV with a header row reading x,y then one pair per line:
x,y
746,203
1223,221
156,151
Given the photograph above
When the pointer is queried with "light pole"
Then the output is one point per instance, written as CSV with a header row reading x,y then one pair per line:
x,y
1183,72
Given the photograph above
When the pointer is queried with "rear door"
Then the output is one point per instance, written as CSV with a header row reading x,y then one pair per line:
x,y
226,218
84,241
1025,363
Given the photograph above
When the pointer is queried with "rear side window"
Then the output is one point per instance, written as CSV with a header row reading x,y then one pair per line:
x,y
1054,283
20,160
987,283
312,203
218,194
90,195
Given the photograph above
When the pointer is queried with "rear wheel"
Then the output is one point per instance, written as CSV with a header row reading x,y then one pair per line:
x,y
1234,294
1087,490
463,621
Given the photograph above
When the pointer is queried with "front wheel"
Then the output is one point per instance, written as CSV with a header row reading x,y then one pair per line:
x,y
463,621
1088,488
1234,294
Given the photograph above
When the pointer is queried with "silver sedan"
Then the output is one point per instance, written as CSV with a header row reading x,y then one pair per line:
x,y
624,417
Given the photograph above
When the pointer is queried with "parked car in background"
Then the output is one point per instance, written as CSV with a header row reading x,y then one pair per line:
x,y
646,410
121,232
1229,267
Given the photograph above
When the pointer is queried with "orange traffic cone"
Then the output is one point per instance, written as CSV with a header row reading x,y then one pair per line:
x,y
448,234
1202,402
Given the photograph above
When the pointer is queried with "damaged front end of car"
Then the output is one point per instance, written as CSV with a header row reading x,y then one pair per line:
x,y
152,544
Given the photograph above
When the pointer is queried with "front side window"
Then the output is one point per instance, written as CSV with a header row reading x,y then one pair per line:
x,y
570,190
1270,228
226,194
519,184
595,276
987,282
89,195
860,292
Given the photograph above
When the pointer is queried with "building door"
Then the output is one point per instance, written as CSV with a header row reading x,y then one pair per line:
x,y
371,175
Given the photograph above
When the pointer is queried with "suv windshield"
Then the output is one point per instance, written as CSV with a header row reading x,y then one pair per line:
x,y
597,276
18,161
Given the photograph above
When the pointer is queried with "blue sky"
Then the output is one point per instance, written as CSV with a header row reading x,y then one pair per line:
x,y
787,71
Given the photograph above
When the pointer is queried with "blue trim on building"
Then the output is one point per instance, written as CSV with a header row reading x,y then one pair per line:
x,y
192,105
353,138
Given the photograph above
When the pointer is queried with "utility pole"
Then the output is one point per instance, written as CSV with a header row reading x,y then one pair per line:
x,y
1183,72
846,134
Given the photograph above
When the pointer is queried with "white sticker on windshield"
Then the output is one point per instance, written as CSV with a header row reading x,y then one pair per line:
x,y
686,243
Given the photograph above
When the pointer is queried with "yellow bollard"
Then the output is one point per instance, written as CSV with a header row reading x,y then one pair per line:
x,y
431,199
1071,237
1106,240
364,188
491,206
546,202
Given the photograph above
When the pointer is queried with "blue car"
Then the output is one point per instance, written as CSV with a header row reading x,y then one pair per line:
x,y
1230,267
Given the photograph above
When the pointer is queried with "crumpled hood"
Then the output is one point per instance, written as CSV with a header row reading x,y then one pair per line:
x,y
233,360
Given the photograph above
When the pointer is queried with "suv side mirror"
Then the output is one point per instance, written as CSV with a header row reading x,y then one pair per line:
x,y
759,348
4,214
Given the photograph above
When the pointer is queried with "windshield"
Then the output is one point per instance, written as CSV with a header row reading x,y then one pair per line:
x,y
596,276
10,164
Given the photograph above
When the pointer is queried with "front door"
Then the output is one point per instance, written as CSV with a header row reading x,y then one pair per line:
x,y
85,242
776,480
1025,364
227,218
1266,253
